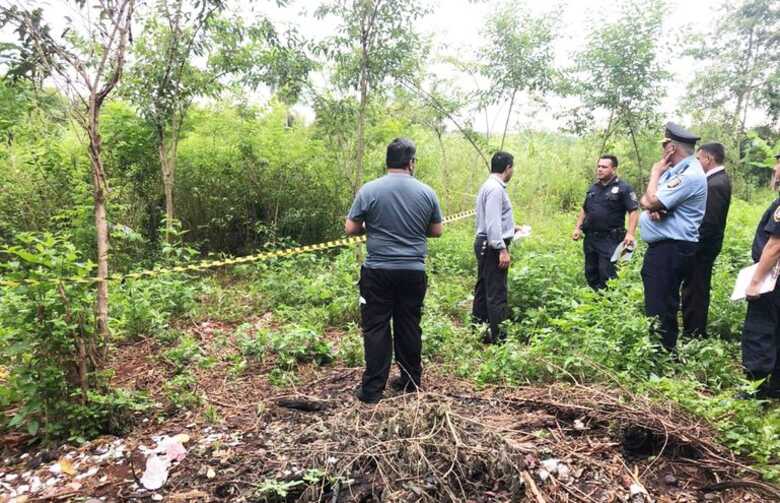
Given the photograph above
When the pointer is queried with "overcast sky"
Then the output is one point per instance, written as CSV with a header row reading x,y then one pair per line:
x,y
455,28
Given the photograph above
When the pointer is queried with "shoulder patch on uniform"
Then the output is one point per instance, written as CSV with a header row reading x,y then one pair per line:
x,y
633,196
615,190
776,215
674,182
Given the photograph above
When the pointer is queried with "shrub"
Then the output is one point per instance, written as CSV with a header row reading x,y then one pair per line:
x,y
48,343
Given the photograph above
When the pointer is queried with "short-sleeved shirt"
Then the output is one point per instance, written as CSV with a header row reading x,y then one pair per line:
x,y
606,205
494,218
768,226
397,210
682,190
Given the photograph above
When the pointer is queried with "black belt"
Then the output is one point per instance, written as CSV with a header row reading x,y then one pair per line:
x,y
669,241
484,237
605,234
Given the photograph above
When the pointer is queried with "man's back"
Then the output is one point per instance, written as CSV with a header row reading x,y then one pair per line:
x,y
397,210
718,201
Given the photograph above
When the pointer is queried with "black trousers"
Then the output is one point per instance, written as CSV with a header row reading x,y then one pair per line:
x,y
666,264
490,292
598,250
761,338
398,295
696,290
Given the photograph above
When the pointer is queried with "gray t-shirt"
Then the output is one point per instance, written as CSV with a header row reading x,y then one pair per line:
x,y
397,210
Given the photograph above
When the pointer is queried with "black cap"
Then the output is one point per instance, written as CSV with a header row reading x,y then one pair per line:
x,y
400,152
675,132
777,156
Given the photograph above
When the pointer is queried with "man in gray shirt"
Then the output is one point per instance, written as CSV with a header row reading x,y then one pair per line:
x,y
495,229
397,212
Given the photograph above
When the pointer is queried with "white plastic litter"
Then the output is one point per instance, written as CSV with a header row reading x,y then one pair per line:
x,y
156,473
551,465
172,448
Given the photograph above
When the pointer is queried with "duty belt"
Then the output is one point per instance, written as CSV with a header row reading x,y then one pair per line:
x,y
606,234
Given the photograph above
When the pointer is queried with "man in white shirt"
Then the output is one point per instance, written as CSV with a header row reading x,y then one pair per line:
x,y
495,229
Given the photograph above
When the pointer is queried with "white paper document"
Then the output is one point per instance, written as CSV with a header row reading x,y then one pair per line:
x,y
746,274
523,232
622,253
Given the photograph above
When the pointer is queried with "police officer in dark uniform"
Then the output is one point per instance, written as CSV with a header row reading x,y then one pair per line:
x,y
761,331
602,219
674,201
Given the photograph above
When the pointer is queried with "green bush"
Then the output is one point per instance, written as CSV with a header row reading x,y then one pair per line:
x,y
47,342
298,344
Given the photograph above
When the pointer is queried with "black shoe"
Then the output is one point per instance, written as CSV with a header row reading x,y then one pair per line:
x,y
404,386
489,339
762,393
746,395
366,399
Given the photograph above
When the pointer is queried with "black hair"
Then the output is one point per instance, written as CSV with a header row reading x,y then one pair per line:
x,y
613,159
400,153
500,161
716,150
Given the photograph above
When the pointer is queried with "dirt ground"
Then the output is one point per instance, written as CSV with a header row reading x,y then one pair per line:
x,y
313,441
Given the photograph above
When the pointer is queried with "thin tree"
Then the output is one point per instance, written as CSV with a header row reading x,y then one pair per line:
x,y
165,77
742,72
86,67
619,72
376,41
518,57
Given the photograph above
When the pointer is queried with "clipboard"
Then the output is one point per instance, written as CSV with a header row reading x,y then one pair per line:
x,y
746,274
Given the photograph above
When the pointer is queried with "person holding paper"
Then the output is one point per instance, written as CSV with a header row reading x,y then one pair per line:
x,y
495,230
602,220
761,331
674,204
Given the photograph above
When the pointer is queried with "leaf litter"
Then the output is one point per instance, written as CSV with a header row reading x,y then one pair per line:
x,y
313,442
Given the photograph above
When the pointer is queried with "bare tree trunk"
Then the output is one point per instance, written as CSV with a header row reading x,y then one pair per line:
x,y
167,163
743,95
101,228
638,156
445,175
167,148
508,116
607,133
361,127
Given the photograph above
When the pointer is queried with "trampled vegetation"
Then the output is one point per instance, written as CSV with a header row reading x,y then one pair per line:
x,y
256,361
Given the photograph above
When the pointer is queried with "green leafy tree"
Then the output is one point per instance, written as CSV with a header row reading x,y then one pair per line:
x,y
376,42
743,65
167,74
619,72
88,65
519,55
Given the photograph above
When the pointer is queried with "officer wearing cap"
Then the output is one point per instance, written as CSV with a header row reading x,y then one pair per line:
x,y
602,219
696,286
674,204
397,212
761,331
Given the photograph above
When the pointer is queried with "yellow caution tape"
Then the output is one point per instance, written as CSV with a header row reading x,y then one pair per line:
x,y
213,264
